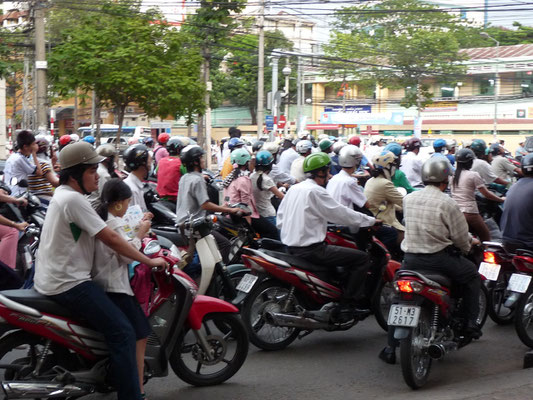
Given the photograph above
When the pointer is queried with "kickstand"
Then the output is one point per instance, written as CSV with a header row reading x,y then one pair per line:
x,y
304,334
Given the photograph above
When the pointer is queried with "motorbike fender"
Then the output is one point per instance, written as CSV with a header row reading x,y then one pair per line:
x,y
242,296
236,268
390,270
401,332
209,256
204,305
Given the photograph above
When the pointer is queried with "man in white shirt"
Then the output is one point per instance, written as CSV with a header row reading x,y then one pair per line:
x,y
302,219
286,159
304,148
138,161
22,163
343,187
412,163
65,261
481,163
501,166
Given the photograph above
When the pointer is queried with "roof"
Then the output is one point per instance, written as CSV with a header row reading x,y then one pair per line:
x,y
13,15
483,53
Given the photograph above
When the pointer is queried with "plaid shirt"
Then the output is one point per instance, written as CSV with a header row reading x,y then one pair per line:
x,y
433,222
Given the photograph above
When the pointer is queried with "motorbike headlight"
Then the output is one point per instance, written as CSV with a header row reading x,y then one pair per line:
x,y
152,248
34,200
175,252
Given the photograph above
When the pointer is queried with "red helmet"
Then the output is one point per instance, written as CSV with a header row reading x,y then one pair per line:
x,y
163,138
64,140
355,140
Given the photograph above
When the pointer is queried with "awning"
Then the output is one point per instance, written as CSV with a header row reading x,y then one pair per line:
x,y
329,127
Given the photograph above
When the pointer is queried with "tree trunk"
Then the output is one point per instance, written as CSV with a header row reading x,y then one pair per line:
x,y
121,111
253,114
200,129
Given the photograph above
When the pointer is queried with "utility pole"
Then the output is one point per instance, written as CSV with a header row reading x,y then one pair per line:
x,y
275,97
3,119
40,68
261,71
25,111
299,96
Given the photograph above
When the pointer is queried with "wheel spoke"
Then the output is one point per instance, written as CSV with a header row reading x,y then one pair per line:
x,y
228,335
198,367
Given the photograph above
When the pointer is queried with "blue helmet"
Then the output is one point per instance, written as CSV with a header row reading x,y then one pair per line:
x,y
394,148
234,143
264,157
89,139
439,144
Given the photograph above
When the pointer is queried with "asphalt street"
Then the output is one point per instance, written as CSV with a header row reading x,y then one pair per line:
x,y
344,365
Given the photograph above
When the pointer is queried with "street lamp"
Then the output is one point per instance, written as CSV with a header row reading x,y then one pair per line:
x,y
496,84
287,72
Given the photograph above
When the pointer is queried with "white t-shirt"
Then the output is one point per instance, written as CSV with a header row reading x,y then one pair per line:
x,y
503,167
66,252
412,168
18,166
297,169
464,193
286,159
345,189
136,186
484,169
110,270
262,197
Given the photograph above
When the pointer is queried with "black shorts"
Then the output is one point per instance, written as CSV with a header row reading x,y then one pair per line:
x,y
133,311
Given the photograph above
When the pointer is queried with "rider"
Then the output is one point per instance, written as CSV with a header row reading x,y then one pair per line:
x,y
412,163
105,171
193,200
169,171
304,148
303,216
9,231
227,167
336,148
138,162
288,156
399,179
481,163
22,163
160,150
264,187
501,165
65,261
436,233
43,186
517,217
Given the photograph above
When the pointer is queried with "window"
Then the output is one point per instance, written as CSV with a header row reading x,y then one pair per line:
x,y
486,86
447,91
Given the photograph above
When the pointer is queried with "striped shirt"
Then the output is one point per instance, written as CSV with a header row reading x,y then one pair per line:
x,y
433,221
39,185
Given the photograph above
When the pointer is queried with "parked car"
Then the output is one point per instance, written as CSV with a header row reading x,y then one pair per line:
x,y
123,145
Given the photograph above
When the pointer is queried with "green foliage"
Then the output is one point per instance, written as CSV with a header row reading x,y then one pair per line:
x,y
394,48
126,58
11,52
238,80
508,37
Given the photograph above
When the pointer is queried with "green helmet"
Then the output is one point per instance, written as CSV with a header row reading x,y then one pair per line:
x,y
325,144
316,161
479,147
240,156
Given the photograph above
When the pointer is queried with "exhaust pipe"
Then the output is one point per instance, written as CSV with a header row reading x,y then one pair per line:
x,y
46,390
294,321
438,350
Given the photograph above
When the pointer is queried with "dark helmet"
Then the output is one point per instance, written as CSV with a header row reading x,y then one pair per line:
x,y
257,145
527,164
495,149
479,147
464,156
191,153
135,156
235,142
413,143
174,146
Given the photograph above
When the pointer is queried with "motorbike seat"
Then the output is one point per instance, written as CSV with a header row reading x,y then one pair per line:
x,y
524,252
433,276
297,261
42,303
171,234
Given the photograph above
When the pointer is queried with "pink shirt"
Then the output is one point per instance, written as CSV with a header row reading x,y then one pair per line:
x,y
159,154
241,191
464,193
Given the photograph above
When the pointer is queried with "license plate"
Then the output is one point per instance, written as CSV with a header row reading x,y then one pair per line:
x,y
490,271
519,283
402,315
246,283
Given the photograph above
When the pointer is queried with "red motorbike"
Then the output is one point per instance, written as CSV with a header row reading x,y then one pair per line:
x,y
46,352
286,297
428,320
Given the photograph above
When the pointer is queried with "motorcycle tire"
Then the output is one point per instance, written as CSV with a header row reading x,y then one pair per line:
x,y
414,359
524,317
262,333
381,303
483,306
190,370
22,348
497,295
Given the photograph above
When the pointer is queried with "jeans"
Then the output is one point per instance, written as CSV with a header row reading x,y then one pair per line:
x,y
89,301
457,268
335,256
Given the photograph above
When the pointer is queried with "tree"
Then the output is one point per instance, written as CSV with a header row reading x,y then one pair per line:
x,y
125,57
238,80
508,37
398,43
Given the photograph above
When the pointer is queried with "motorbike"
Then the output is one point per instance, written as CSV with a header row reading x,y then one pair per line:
x,y
47,352
286,297
427,318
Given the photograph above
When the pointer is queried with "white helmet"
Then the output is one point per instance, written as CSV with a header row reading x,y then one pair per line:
x,y
272,147
75,137
303,146
338,145
350,156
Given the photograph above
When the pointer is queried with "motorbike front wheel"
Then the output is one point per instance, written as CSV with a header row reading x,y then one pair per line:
x,y
228,341
269,296
382,302
414,356
524,317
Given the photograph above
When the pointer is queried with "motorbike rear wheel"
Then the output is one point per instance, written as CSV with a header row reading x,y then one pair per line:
x,y
524,317
23,350
414,356
229,348
498,294
382,302
266,297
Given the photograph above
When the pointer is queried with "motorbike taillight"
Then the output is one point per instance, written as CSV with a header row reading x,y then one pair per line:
x,y
408,286
489,257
